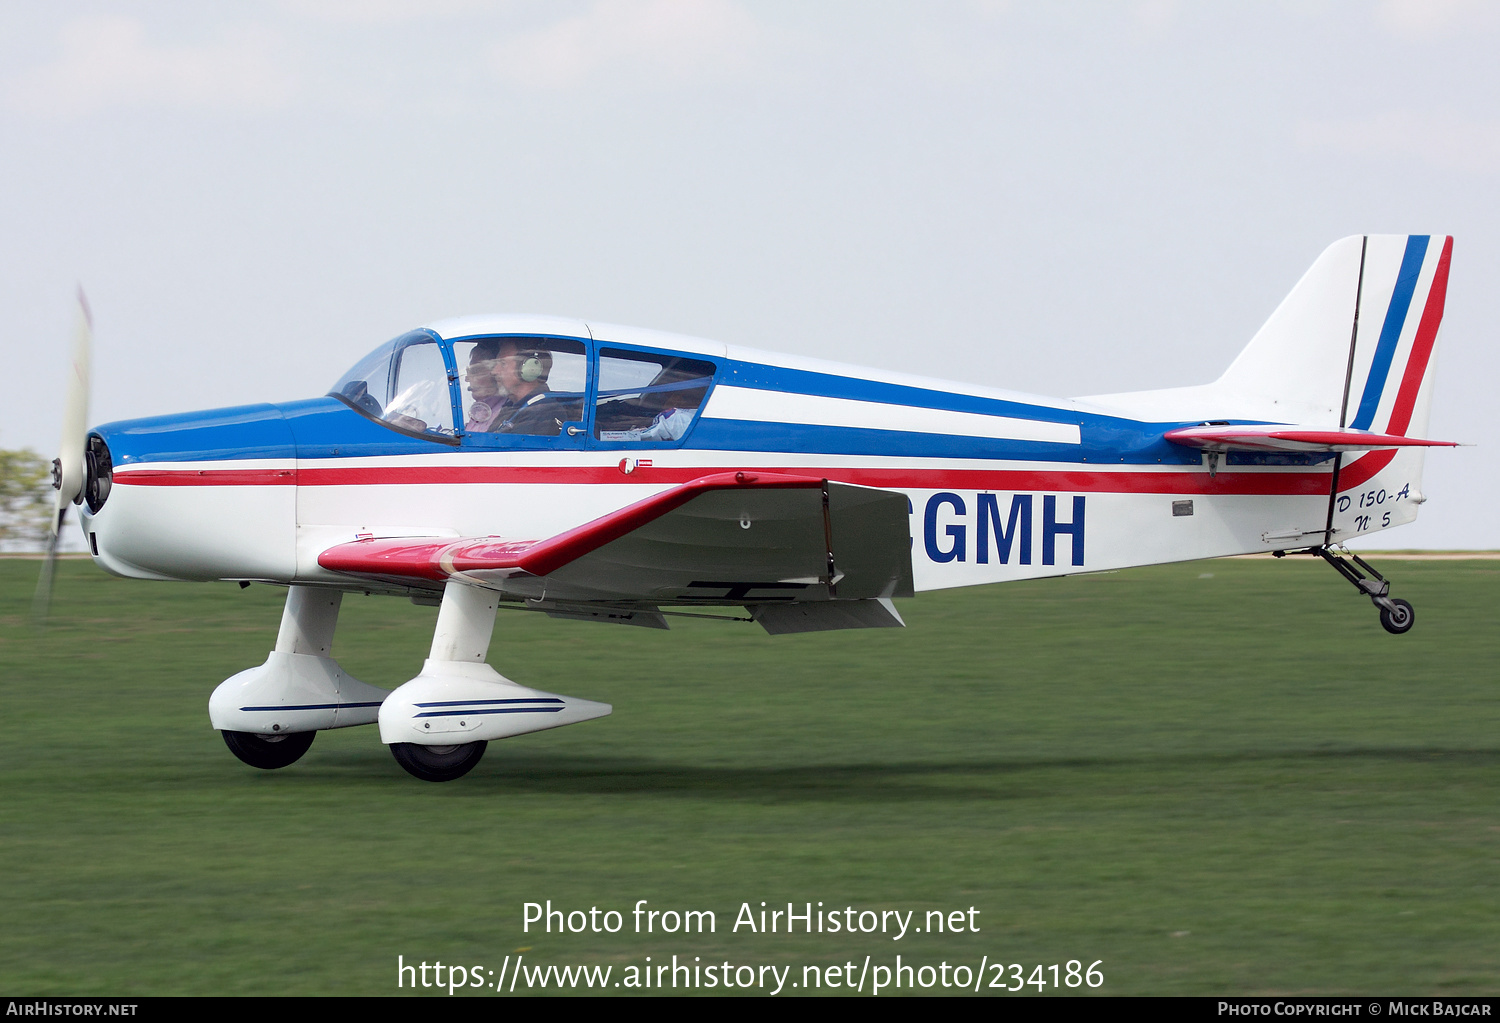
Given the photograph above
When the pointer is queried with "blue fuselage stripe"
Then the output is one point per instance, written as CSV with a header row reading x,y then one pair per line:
x,y
1112,441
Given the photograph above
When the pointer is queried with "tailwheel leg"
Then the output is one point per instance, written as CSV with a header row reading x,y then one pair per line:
x,y
1396,615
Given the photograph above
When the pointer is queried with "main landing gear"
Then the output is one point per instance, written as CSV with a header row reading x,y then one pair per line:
x,y
269,752
437,724
1396,615
270,714
438,763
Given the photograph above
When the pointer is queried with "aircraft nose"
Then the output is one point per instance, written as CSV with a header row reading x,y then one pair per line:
x,y
203,495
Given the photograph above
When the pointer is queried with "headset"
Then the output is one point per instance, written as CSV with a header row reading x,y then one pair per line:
x,y
532,368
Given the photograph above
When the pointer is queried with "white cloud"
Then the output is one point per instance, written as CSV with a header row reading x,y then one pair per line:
x,y
384,12
1442,139
990,8
663,39
1418,18
109,62
1156,14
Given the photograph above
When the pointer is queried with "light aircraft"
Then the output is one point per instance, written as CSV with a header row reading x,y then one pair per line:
x,y
614,474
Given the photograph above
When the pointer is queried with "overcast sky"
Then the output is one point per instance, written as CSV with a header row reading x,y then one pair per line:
x,y
1065,198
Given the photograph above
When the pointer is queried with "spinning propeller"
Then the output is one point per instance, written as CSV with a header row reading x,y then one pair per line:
x,y
69,471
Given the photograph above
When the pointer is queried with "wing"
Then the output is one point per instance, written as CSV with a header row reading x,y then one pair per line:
x,y
1292,438
751,539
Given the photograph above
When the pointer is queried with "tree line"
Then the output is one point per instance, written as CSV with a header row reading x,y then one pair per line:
x,y
25,500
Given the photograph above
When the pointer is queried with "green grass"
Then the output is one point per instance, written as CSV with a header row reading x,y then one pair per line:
x,y
1217,778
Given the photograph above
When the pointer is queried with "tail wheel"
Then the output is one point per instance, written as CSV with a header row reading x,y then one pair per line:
x,y
438,763
1397,618
269,752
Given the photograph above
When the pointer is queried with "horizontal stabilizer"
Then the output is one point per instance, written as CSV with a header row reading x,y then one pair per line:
x,y
1292,438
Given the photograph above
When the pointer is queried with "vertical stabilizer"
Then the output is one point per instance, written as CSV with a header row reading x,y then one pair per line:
x,y
1351,345
1390,380
1295,368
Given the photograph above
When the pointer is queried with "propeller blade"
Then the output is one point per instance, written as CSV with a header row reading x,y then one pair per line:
x,y
41,601
68,476
68,468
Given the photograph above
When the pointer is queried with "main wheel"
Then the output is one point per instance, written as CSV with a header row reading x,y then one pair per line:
x,y
1397,619
268,752
438,763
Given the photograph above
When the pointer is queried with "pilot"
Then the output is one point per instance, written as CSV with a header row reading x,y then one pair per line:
x,y
521,371
485,389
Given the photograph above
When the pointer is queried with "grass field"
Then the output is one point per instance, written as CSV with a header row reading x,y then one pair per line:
x,y
1220,777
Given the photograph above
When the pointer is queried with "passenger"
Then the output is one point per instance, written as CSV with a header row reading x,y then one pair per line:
x,y
483,386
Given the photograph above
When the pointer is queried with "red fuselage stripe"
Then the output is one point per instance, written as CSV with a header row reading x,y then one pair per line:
x,y
207,477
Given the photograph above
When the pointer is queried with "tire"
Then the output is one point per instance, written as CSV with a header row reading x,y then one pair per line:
x,y
438,763
269,752
1397,619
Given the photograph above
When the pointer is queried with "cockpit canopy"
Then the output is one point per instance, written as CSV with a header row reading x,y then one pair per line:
x,y
492,391
403,383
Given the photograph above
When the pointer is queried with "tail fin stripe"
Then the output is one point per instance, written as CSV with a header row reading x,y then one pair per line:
x,y
1421,351
1390,331
1366,467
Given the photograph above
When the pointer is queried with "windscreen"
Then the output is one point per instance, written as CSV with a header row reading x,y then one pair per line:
x,y
404,384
